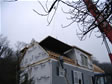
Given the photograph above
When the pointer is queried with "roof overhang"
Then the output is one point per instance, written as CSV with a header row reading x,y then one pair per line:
x,y
82,50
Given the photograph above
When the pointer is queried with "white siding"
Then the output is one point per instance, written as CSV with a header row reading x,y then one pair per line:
x,y
90,66
41,73
78,57
79,60
71,54
33,54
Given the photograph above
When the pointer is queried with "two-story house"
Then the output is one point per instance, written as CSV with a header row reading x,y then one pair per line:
x,y
54,62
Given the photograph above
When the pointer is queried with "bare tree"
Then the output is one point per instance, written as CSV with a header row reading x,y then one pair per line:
x,y
19,46
4,47
107,67
7,62
79,13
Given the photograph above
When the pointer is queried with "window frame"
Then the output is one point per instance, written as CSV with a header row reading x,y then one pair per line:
x,y
61,70
84,60
78,77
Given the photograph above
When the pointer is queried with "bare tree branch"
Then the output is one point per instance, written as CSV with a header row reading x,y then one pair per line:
x,y
43,7
39,13
78,13
53,14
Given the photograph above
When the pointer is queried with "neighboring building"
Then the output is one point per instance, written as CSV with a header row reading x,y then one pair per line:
x,y
54,62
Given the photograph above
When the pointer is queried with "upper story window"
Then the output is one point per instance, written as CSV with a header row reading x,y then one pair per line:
x,y
84,60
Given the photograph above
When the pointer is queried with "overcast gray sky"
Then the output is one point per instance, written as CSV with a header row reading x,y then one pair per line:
x,y
20,23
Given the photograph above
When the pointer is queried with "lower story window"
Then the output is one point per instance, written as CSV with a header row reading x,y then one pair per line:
x,y
61,72
77,77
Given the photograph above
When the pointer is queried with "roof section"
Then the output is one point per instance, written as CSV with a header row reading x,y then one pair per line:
x,y
82,50
54,45
97,69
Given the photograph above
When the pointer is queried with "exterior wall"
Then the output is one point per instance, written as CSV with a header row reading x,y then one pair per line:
x,y
79,59
36,65
33,54
39,74
75,54
41,70
71,54
56,79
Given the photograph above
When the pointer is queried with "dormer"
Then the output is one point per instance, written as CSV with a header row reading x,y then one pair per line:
x,y
81,57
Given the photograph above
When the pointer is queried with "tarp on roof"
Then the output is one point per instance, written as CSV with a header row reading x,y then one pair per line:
x,y
54,45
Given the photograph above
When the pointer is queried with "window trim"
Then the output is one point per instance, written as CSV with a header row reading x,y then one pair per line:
x,y
59,70
84,56
78,77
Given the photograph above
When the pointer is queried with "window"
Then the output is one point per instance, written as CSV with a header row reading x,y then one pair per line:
x,y
84,60
77,77
61,72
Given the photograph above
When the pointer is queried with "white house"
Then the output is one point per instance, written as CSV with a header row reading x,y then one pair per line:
x,y
54,62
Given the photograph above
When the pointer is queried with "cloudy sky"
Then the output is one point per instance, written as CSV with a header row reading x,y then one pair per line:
x,y
19,22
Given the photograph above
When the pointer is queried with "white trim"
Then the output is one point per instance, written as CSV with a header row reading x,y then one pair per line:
x,y
79,76
68,51
84,55
36,63
61,72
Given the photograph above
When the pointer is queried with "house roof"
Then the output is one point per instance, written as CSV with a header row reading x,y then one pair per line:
x,y
54,45
82,50
97,69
